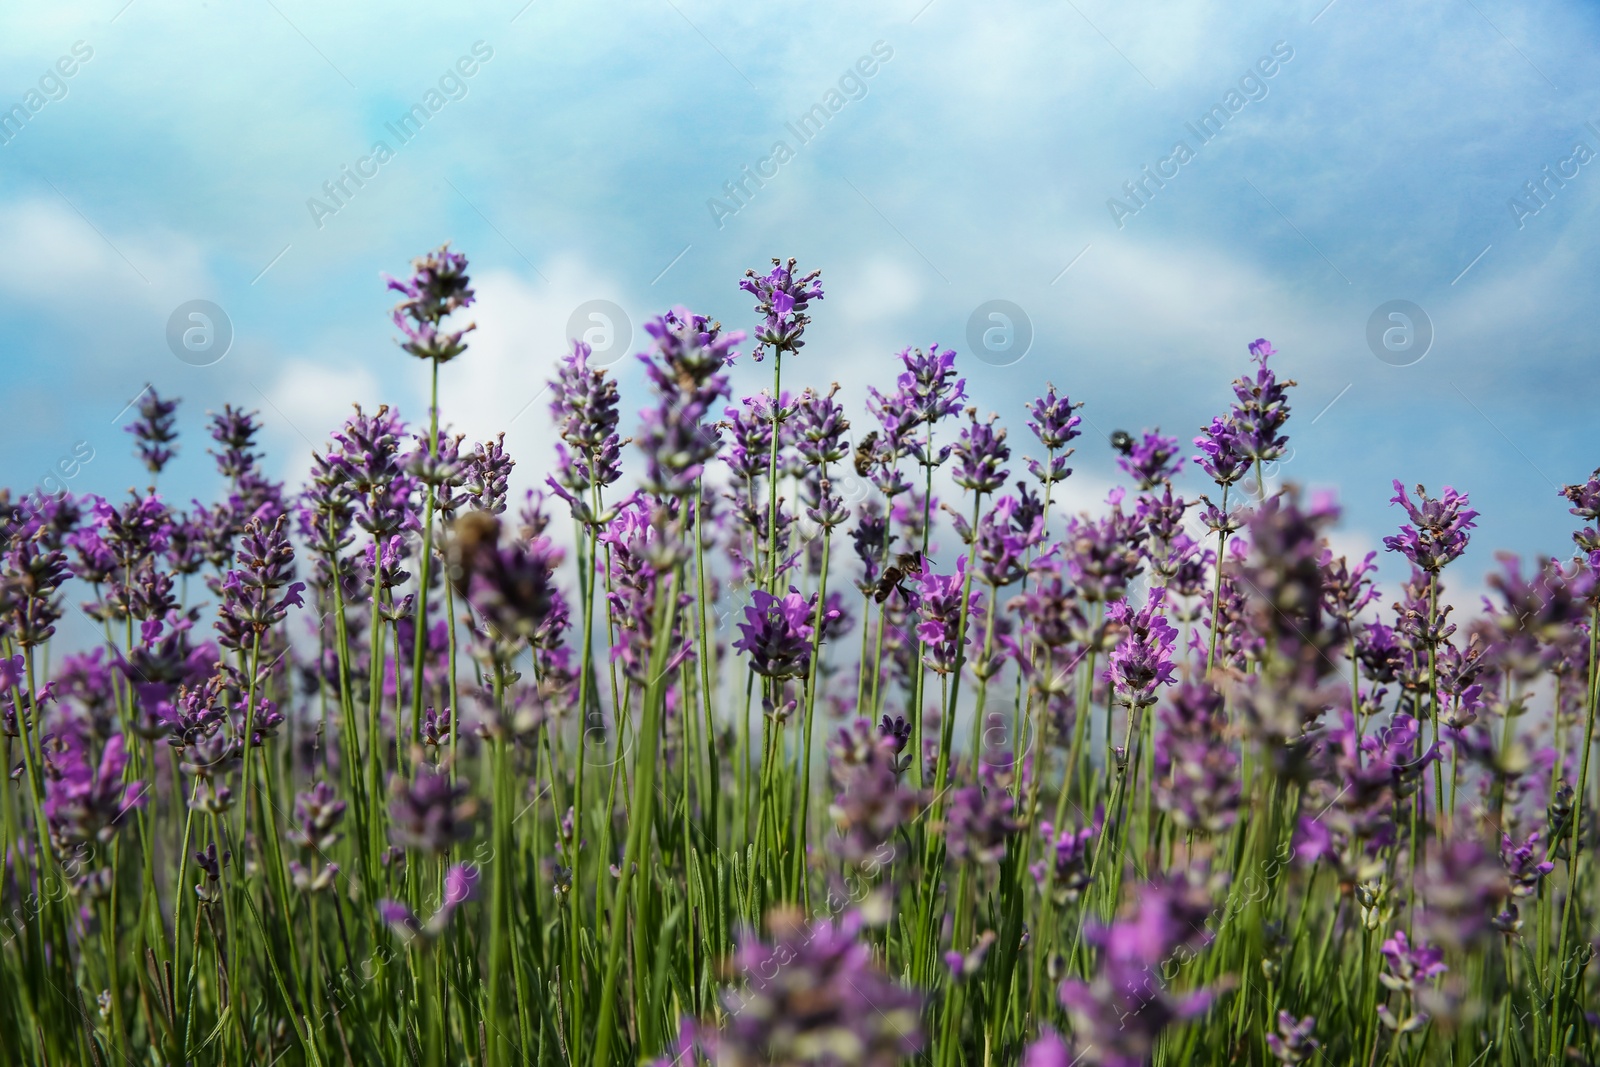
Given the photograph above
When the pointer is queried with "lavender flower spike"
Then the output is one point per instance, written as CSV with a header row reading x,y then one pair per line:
x,y
777,633
1440,534
816,988
438,286
155,429
783,299
250,602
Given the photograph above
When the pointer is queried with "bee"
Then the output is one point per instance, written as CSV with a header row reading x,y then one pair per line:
x,y
470,536
892,580
1122,441
864,454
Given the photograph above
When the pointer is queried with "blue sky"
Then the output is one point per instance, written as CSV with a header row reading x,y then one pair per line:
x,y
1378,162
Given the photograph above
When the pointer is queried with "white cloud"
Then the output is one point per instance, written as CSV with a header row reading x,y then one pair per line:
x,y
52,255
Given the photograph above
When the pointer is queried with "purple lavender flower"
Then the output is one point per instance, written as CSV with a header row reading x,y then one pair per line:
x,y
1197,771
437,287
1055,425
782,299
84,802
32,573
979,453
488,470
820,426
1261,408
980,820
1119,1014
1152,459
1440,534
1461,891
1222,452
460,886
373,467
1001,544
235,430
1409,968
1064,872
814,995
430,813
1103,556
1142,659
1524,864
940,607
1585,500
317,814
512,587
1293,1042
251,604
1409,965
925,392
777,633
1049,1051
1347,590
872,802
584,407
690,354
154,429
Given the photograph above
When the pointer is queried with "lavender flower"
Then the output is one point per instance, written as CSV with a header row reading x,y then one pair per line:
x,y
430,813
488,469
980,820
251,604
84,802
1152,459
371,463
460,886
584,407
782,299
1197,771
941,608
235,430
1102,556
32,573
511,587
1440,534
1048,1051
1142,660
1409,967
1055,425
1585,500
317,814
872,802
777,633
437,287
1064,872
814,995
1261,409
820,427
1222,452
1293,1042
154,429
927,391
1119,1014
1461,890
979,453
690,353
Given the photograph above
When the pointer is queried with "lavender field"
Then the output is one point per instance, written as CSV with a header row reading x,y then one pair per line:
x,y
770,732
